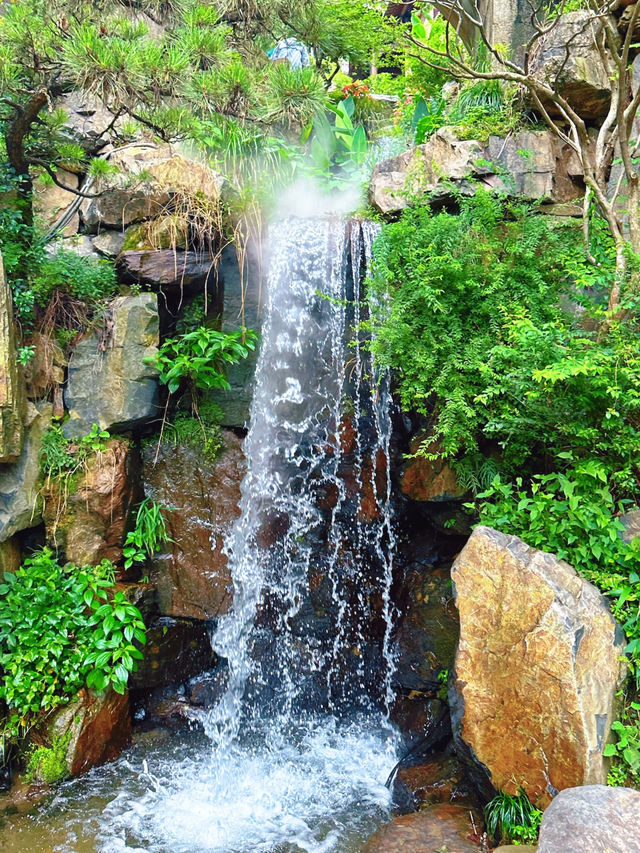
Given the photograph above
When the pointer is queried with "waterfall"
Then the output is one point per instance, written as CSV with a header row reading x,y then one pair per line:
x,y
295,755
312,552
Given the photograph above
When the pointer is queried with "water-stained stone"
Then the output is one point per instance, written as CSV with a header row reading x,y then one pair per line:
x,y
537,668
446,826
20,500
439,779
109,382
427,630
12,389
592,819
203,498
89,523
428,479
97,725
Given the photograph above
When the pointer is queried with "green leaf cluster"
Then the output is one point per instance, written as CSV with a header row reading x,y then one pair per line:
x,y
201,432
513,818
149,534
89,280
61,457
62,628
199,358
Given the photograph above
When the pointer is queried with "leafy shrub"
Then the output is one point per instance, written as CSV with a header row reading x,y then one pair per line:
x,y
198,358
513,818
61,628
575,516
149,533
625,752
60,457
86,279
468,310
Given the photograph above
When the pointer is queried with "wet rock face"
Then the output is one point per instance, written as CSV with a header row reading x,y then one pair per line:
x,y
446,826
427,631
20,502
12,391
109,383
192,575
89,525
176,650
538,165
579,74
536,671
441,778
427,480
98,726
592,818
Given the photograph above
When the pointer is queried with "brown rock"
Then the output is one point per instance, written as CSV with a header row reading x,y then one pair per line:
x,y
98,726
148,176
192,575
453,828
592,819
439,780
166,269
89,524
430,480
176,650
12,390
537,669
10,556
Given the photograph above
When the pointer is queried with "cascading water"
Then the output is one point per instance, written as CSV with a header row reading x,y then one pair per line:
x,y
298,748
312,551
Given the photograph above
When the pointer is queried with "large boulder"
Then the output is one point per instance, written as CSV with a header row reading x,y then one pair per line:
x,y
20,503
592,819
166,269
537,668
109,383
531,164
12,388
147,177
88,524
567,58
192,575
96,728
87,120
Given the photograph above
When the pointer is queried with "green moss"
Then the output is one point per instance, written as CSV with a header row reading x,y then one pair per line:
x,y
201,433
48,764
